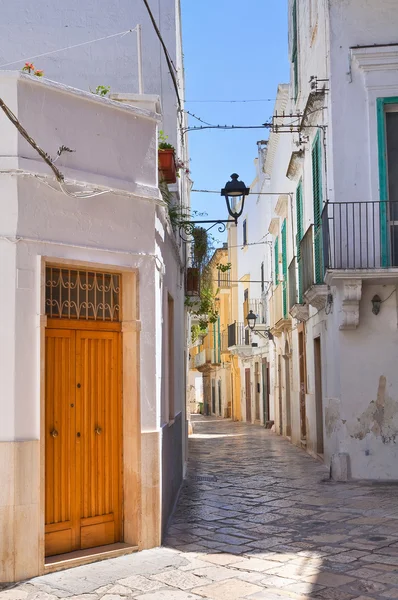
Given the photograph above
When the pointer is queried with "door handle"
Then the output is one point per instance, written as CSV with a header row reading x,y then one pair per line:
x,y
54,433
98,430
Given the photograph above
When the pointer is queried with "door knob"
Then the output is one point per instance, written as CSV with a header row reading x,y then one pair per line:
x,y
98,430
54,433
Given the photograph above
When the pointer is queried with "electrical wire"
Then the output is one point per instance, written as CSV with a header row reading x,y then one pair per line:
x,y
250,193
232,101
166,53
107,37
196,117
388,297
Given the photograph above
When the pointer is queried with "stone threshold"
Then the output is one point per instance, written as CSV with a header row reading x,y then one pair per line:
x,y
85,557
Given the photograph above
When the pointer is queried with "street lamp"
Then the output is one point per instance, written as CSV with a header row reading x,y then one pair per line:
x,y
235,190
251,323
251,320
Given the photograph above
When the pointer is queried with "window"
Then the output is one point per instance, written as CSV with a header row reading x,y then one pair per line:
x,y
299,236
170,322
318,205
284,267
245,233
276,257
295,50
262,277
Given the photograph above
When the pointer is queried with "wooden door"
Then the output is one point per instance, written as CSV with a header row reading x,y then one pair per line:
x,y
257,390
318,395
83,439
248,396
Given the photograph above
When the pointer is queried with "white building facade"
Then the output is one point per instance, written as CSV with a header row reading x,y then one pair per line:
x,y
335,384
93,327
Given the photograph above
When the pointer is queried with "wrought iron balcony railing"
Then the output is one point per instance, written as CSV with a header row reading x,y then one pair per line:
x,y
360,235
238,335
223,280
293,288
257,305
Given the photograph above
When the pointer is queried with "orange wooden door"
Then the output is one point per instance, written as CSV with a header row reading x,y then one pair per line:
x,y
60,457
83,460
99,444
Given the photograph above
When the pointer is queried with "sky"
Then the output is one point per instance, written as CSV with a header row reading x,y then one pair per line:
x,y
233,50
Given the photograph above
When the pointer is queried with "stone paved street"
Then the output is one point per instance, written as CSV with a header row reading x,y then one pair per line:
x,y
257,518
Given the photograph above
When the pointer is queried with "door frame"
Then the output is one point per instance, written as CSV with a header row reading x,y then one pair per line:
x,y
131,418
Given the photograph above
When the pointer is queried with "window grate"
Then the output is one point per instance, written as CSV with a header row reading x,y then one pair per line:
x,y
82,295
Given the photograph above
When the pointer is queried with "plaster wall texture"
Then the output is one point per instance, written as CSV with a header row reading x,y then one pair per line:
x,y
124,229
359,381
49,26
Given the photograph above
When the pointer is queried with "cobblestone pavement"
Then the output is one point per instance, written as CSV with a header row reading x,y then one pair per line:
x,y
257,519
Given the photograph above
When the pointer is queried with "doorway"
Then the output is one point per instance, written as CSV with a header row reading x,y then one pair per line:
x,y
213,397
287,392
248,396
318,395
303,384
280,395
265,378
83,413
257,390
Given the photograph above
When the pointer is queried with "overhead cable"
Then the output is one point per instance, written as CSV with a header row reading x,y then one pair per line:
x,y
107,37
166,53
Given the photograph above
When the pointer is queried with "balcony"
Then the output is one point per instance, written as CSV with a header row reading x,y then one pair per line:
x,y
360,235
311,268
258,307
223,280
297,309
206,358
278,321
238,335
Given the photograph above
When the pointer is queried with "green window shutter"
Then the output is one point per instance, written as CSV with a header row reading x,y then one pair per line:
x,y
318,205
276,257
299,237
284,268
294,56
294,29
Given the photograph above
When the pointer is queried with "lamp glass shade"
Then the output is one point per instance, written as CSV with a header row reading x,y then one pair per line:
x,y
251,320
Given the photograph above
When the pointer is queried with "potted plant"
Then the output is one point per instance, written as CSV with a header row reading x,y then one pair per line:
x,y
167,165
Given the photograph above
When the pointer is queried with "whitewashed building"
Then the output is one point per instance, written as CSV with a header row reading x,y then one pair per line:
x,y
333,309
93,326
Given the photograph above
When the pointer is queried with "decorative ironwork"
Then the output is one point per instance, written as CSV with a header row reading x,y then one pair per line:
x,y
84,295
186,228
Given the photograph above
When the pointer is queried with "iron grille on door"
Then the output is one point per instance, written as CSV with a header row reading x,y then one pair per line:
x,y
85,295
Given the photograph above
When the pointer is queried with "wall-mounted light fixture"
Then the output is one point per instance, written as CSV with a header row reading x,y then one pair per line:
x,y
376,304
236,190
251,323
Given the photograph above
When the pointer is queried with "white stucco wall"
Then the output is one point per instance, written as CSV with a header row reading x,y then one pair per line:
x,y
27,31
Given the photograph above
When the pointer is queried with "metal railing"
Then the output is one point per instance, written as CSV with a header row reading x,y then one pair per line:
x,y
207,356
276,306
293,289
307,260
360,235
258,307
200,359
224,279
238,335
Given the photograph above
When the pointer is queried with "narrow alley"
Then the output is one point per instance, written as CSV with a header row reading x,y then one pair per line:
x,y
257,518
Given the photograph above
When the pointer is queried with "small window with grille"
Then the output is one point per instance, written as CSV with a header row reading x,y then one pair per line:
x,y
82,295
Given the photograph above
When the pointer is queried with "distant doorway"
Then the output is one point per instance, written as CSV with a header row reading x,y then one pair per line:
x,y
303,384
265,378
219,399
318,394
248,396
257,390
287,392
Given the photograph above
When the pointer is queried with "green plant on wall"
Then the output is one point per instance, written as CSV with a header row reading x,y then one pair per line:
x,y
163,144
202,250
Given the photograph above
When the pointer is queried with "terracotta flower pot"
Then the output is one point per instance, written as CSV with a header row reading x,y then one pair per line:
x,y
167,165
